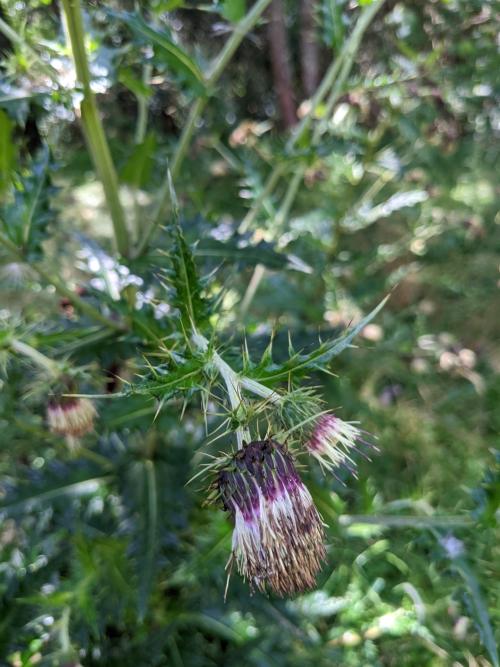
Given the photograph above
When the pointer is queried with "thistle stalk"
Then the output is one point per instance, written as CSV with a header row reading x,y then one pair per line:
x,y
234,384
92,126
259,389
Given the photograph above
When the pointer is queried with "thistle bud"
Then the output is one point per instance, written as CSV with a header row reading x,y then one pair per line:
x,y
71,417
278,534
333,441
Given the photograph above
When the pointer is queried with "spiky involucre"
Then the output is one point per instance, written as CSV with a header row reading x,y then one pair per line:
x,y
278,534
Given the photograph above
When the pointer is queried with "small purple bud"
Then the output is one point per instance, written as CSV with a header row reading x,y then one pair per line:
x,y
333,441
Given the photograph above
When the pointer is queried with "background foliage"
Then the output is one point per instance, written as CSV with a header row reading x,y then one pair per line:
x,y
107,557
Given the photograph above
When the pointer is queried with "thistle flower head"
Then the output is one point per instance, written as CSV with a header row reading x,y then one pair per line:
x,y
334,441
71,417
278,533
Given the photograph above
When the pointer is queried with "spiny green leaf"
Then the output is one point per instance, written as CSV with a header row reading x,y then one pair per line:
x,y
188,288
315,360
170,381
25,220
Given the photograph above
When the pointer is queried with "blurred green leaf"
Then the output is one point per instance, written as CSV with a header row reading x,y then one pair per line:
x,y
26,219
164,46
478,608
233,10
7,150
134,83
137,169
143,481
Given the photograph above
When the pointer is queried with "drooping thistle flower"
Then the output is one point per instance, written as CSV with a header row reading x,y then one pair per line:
x,y
333,441
71,418
278,533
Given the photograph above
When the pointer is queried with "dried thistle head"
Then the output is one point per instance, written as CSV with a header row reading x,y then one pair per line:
x,y
278,533
71,417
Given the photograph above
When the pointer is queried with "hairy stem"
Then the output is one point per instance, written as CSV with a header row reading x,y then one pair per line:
x,y
233,388
231,381
92,126
260,390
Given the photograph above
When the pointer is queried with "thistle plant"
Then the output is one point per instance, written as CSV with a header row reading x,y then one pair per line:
x,y
278,535
131,338
156,306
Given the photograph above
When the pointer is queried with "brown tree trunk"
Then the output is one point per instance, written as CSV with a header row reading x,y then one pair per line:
x,y
309,47
280,63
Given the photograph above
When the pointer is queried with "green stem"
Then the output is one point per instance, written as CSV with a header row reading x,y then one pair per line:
x,y
231,381
186,136
344,62
269,186
258,274
220,63
64,638
404,521
37,357
349,53
298,134
239,32
142,107
78,301
92,126
260,270
10,245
